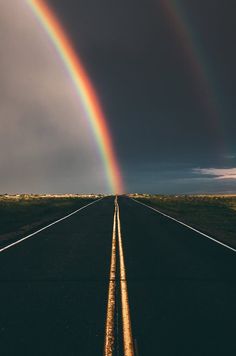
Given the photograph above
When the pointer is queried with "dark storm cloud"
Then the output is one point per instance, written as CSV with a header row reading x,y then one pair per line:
x,y
148,88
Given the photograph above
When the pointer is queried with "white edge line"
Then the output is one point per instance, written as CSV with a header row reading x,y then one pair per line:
x,y
47,226
188,226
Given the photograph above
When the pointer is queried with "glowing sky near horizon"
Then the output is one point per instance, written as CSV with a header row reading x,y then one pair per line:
x,y
217,173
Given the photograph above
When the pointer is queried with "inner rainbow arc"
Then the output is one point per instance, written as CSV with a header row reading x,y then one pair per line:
x,y
84,89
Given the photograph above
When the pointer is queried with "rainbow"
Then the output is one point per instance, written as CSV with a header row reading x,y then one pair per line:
x,y
203,86
84,89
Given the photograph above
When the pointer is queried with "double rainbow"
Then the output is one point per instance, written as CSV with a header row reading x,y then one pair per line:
x,y
84,89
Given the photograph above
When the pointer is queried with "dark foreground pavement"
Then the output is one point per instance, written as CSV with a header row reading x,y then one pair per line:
x,y
182,288
54,287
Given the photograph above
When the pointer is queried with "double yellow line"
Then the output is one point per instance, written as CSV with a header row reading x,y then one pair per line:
x,y
110,319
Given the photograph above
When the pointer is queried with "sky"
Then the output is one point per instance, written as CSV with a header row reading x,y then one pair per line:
x,y
164,72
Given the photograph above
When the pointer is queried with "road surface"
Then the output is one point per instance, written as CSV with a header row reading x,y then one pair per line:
x,y
179,288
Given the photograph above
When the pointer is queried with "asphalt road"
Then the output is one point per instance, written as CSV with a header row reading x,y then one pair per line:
x,y
181,286
54,287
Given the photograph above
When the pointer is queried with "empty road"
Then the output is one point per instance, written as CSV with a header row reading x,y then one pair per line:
x,y
119,276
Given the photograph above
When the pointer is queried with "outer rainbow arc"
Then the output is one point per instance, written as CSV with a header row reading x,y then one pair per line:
x,y
84,89
199,71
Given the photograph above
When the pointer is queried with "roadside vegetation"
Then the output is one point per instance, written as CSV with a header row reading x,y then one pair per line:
x,y
23,214
212,214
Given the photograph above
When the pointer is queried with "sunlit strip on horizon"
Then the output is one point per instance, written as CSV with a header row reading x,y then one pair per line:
x,y
217,173
84,89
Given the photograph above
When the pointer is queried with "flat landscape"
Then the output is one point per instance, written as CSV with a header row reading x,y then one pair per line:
x,y
116,276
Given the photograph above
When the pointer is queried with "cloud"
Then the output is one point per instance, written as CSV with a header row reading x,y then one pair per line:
x,y
45,142
229,157
217,173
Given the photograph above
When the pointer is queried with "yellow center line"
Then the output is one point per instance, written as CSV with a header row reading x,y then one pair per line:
x,y
127,331
109,333
126,321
